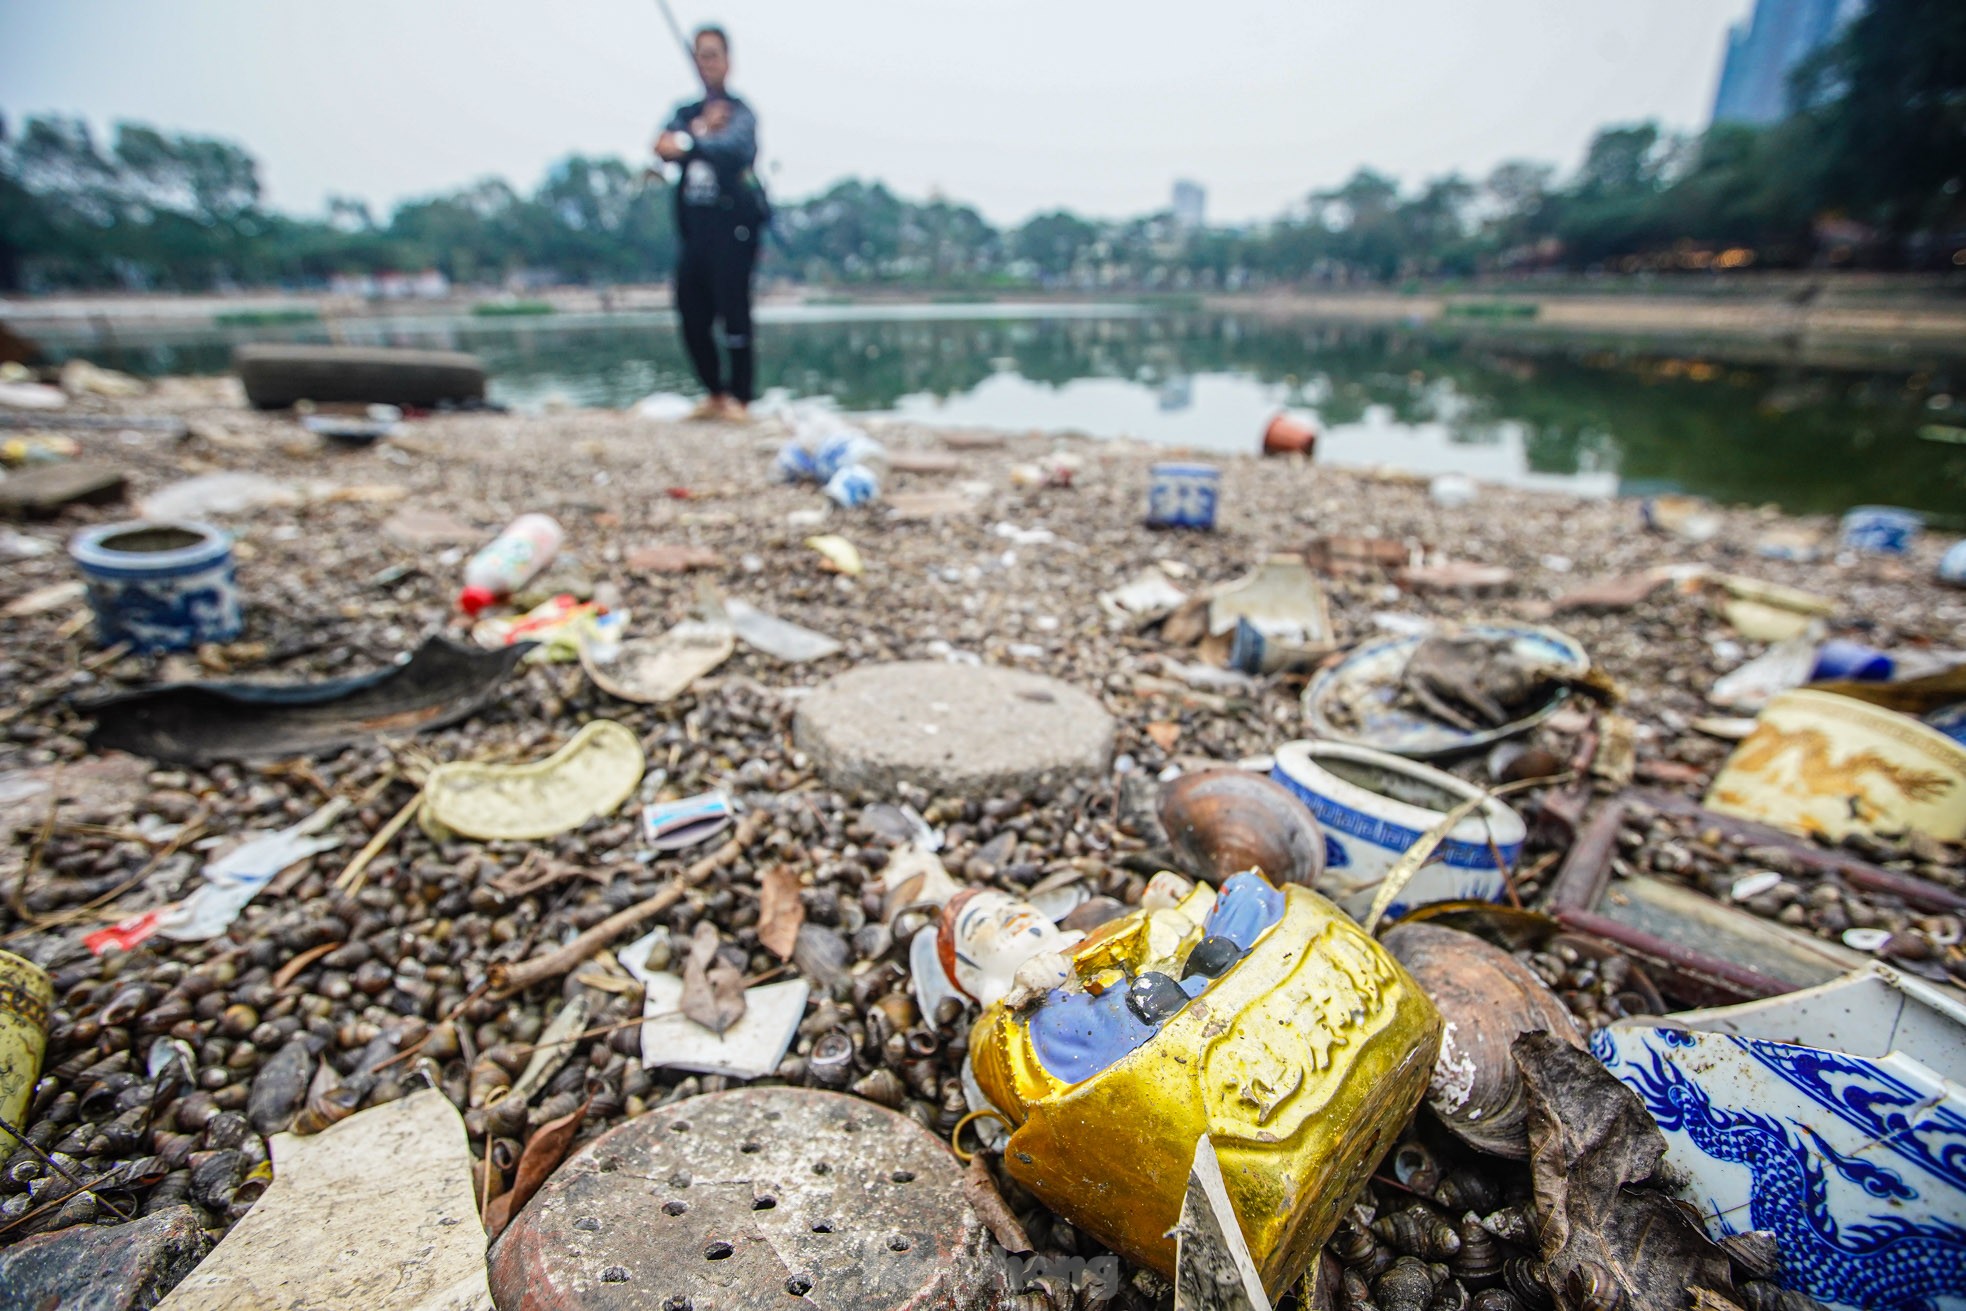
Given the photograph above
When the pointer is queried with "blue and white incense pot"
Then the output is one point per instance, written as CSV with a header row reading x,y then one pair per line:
x,y
1833,1118
159,586
1373,806
1183,496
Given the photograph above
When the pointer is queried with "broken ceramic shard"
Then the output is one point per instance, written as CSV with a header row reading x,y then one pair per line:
x,y
1212,1271
1300,1059
751,1048
1828,765
592,774
1281,599
377,1213
1826,1113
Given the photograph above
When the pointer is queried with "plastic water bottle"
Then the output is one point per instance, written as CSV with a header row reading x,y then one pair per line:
x,y
503,566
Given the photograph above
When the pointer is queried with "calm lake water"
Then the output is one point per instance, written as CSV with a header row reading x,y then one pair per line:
x,y
1597,419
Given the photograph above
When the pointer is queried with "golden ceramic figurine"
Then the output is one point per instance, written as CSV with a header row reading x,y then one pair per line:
x,y
1267,1019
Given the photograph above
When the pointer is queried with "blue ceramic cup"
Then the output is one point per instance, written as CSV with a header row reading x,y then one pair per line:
x,y
1881,529
1183,496
159,586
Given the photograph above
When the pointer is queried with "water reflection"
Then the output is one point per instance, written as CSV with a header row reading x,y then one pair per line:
x,y
1597,420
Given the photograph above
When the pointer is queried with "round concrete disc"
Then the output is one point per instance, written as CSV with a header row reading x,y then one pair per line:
x,y
951,729
754,1198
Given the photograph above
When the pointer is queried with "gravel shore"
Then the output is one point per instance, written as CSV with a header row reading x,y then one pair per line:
x,y
333,586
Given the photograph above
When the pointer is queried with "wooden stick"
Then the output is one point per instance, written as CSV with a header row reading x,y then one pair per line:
x,y
509,979
351,879
291,970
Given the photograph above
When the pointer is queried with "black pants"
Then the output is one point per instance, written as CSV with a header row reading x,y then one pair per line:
x,y
713,283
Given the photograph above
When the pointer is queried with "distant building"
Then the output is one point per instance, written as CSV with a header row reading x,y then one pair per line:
x,y
1761,54
1190,204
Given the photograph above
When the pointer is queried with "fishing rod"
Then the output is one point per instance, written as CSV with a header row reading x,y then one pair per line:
x,y
676,30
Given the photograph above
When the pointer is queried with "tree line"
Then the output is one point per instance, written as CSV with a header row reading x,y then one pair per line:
x,y
1868,169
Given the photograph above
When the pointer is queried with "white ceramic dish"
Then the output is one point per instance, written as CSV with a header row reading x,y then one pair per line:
x,y
1367,680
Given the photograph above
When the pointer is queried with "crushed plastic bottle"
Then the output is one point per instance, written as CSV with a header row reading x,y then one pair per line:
x,y
822,445
506,563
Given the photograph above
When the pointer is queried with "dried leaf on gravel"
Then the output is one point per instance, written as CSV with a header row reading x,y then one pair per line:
x,y
544,1152
780,912
713,992
1592,1144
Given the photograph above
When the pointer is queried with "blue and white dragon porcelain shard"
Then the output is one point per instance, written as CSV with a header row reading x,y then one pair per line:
x,y
1833,1118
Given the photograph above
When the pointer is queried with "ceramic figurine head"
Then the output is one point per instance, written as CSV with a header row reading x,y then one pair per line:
x,y
985,935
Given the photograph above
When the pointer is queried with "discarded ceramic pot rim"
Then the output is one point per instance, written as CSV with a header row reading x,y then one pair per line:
x,y
1353,792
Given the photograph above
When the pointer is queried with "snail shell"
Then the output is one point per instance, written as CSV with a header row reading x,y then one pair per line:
x,y
1223,821
881,1085
1405,1286
1487,998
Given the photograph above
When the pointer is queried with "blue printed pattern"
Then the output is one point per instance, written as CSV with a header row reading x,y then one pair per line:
x,y
1395,837
1875,1102
1887,1262
167,614
1182,499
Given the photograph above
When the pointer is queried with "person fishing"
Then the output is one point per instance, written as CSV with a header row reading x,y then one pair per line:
x,y
721,213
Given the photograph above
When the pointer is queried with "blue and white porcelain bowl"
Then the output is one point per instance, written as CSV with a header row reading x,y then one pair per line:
x,y
1881,529
1373,806
1361,698
1833,1117
159,586
1183,496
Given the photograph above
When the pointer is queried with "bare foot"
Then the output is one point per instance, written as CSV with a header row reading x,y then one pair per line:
x,y
733,410
710,407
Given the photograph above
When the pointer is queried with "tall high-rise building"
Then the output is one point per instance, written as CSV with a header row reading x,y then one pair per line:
x,y
1763,52
1190,204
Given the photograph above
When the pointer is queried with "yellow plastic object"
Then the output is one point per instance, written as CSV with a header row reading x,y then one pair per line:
x,y
1829,765
842,554
1302,1063
592,774
25,996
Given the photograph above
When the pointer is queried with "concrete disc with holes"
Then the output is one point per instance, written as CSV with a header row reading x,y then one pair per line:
x,y
953,729
754,1198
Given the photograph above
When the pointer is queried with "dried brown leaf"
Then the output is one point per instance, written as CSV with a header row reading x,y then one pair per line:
x,y
1165,733
544,1152
713,992
980,1191
1592,1148
780,912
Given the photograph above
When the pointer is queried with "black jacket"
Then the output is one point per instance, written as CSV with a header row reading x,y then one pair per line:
x,y
720,182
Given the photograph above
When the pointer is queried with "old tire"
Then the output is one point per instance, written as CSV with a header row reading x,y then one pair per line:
x,y
277,376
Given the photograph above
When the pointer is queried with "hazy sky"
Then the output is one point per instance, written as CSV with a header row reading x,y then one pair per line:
x,y
1012,105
